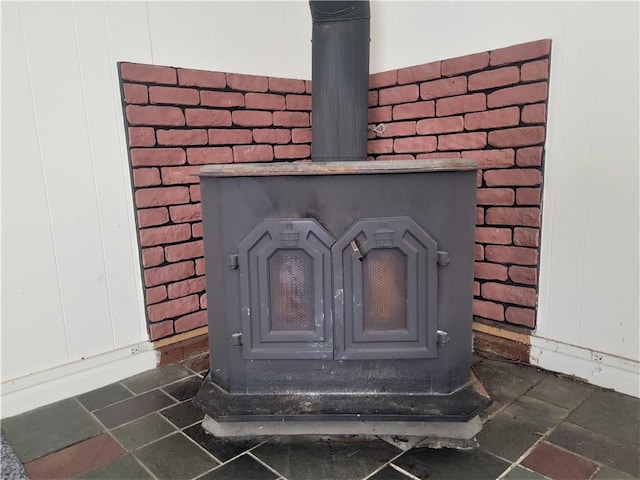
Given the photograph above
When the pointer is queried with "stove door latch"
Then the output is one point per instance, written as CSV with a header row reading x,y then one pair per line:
x,y
236,339
232,262
356,250
443,258
443,337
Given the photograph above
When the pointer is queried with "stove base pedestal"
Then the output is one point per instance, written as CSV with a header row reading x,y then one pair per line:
x,y
442,418
438,433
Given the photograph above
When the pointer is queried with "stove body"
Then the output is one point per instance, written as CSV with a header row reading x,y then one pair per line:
x,y
340,291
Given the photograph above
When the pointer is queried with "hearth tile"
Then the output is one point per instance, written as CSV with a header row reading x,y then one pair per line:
x,y
243,467
155,378
612,414
133,408
222,449
125,467
539,414
103,397
519,473
142,431
184,389
562,392
175,457
183,414
322,457
558,464
451,464
607,473
76,459
506,381
48,429
599,447
507,437
388,473
198,364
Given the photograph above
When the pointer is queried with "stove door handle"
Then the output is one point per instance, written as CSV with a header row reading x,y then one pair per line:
x,y
356,250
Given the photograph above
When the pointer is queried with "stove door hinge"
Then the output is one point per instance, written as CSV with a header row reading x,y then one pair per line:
x,y
443,337
232,262
236,339
443,258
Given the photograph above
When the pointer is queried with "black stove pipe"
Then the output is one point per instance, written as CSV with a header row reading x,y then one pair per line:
x,y
340,74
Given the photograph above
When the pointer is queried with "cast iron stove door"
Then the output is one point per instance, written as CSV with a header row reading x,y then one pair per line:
x,y
285,290
382,303
386,291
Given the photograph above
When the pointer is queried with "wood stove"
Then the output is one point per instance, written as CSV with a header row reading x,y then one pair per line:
x,y
340,291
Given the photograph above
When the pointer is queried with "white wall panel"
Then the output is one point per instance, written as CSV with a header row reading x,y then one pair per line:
x,y
266,38
128,30
180,33
610,274
567,167
68,167
110,174
33,334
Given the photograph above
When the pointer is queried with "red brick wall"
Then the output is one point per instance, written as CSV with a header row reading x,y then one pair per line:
x,y
178,120
489,106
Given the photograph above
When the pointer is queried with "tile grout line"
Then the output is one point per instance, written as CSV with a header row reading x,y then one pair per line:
x,y
279,475
126,388
404,472
388,462
127,452
543,437
172,382
202,448
245,452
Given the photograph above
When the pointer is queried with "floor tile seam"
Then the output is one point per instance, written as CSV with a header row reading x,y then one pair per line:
x,y
147,414
584,400
248,449
526,453
142,417
511,402
513,466
191,369
143,466
133,452
602,434
186,426
106,430
404,472
571,409
595,431
207,472
136,459
127,388
388,462
90,413
153,441
162,385
592,460
278,474
173,396
93,467
134,395
127,451
200,446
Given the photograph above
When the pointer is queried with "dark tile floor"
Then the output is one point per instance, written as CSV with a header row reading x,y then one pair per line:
x,y
539,426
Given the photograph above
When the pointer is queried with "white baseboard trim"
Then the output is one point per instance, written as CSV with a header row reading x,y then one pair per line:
x,y
42,388
598,368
